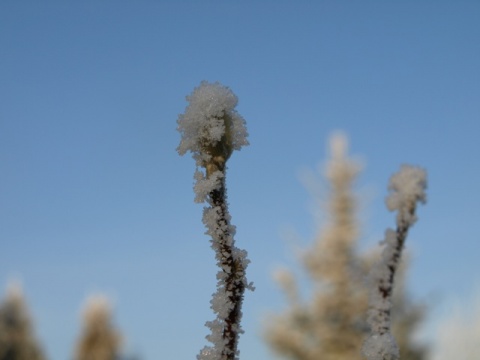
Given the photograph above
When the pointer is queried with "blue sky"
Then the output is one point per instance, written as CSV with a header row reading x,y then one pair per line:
x,y
94,197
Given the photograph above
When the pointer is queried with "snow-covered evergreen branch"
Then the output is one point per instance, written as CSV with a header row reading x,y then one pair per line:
x,y
211,129
407,188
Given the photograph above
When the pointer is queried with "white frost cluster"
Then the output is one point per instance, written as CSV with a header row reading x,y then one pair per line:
x,y
204,185
222,233
406,188
378,315
381,347
209,117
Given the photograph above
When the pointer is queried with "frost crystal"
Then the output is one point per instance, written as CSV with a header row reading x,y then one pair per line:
x,y
205,185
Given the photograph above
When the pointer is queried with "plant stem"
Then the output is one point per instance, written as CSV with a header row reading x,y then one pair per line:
x,y
231,267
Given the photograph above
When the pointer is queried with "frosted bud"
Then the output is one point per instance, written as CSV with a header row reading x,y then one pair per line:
x,y
211,128
406,187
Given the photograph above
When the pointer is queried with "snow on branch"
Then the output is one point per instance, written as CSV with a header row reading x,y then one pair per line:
x,y
407,188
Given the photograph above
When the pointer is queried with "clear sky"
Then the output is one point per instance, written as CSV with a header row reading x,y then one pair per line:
x,y
94,197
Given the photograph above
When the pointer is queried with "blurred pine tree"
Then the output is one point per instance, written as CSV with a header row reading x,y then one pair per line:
x,y
99,340
17,340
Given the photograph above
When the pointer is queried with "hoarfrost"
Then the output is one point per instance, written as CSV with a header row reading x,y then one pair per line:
x,y
206,185
209,117
381,347
406,188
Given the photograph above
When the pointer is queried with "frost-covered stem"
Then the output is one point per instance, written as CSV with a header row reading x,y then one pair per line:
x,y
211,129
407,188
385,288
232,270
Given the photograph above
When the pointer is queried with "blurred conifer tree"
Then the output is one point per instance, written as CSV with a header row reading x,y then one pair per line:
x,y
17,340
332,325
99,339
